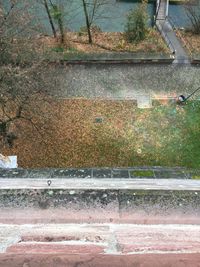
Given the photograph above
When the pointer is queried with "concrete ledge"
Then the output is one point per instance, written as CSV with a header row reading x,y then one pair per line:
x,y
118,61
116,173
120,205
195,61
113,58
99,217
100,195
100,184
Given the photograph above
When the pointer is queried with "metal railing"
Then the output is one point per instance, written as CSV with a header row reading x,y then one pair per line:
x,y
192,93
160,27
157,10
165,36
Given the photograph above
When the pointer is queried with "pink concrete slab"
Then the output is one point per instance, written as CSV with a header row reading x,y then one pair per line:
x,y
145,260
109,215
52,248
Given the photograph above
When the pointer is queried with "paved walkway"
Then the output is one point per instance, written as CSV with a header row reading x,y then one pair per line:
x,y
181,57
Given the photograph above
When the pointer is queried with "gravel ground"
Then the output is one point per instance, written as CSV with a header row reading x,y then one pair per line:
x,y
115,81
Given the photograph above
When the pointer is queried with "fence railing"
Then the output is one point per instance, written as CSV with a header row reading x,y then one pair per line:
x,y
158,2
160,27
187,44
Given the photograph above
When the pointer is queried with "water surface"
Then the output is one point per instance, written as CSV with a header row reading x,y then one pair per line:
x,y
111,17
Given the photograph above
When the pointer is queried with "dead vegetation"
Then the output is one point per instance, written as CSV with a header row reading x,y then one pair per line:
x,y
106,42
191,41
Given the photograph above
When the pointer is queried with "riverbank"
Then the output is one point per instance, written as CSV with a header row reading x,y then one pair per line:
x,y
76,43
192,43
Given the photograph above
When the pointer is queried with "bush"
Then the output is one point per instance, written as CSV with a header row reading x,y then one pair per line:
x,y
136,27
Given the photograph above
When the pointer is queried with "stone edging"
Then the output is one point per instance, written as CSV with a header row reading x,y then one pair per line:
x,y
87,173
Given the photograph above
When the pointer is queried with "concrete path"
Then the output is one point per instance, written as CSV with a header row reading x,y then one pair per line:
x,y
165,27
166,30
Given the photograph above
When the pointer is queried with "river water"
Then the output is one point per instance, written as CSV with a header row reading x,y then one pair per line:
x,y
112,16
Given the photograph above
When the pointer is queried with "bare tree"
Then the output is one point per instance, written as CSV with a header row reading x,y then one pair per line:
x,y
22,83
46,5
55,10
17,106
88,24
192,8
57,14
93,10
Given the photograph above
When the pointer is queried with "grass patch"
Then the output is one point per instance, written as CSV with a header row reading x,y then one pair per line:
x,y
165,135
58,49
148,173
196,177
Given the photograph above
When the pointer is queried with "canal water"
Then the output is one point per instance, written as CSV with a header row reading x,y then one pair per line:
x,y
111,17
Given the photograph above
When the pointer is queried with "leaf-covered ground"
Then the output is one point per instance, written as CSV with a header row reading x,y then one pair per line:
x,y
107,42
68,135
192,42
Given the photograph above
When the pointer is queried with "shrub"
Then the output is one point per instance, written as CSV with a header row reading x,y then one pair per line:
x,y
136,27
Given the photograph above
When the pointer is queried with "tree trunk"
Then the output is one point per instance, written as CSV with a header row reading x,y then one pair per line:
x,y
87,22
50,19
60,24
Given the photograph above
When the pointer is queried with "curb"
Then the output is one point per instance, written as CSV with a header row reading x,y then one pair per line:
x,y
117,61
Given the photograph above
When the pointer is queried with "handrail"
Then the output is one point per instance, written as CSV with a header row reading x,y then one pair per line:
x,y
169,43
192,94
172,22
157,10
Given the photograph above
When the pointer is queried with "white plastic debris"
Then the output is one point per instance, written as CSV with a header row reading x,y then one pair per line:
x,y
9,162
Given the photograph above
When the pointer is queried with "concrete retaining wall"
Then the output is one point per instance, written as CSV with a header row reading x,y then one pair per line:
x,y
104,218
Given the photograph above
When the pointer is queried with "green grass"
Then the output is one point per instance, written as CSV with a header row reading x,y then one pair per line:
x,y
144,173
58,49
166,135
170,135
196,177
